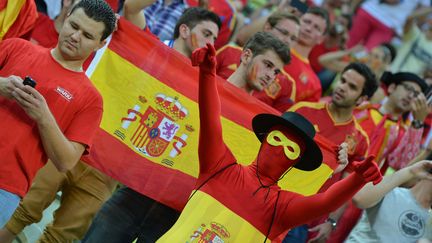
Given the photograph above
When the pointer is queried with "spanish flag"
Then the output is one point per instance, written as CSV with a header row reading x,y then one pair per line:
x,y
148,137
17,18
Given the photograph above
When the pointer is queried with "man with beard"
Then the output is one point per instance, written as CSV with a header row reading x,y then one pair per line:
x,y
335,121
262,59
394,140
279,94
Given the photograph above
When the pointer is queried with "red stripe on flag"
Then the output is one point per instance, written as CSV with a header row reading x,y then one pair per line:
x,y
117,160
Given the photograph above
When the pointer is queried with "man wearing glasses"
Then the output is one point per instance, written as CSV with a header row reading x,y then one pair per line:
x,y
406,94
394,137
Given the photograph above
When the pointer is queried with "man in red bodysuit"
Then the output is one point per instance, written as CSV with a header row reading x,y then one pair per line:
x,y
236,202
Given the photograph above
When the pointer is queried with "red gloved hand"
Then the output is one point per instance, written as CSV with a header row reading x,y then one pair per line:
x,y
368,170
205,58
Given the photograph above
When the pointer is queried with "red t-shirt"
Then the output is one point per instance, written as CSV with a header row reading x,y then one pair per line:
x,y
228,60
44,32
73,100
316,52
279,94
308,85
349,132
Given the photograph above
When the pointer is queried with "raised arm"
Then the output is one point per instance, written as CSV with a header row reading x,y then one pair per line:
x,y
133,11
370,194
420,12
304,209
334,60
211,148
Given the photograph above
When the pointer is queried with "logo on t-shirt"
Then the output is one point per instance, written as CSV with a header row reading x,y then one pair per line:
x,y
64,93
411,224
273,89
304,78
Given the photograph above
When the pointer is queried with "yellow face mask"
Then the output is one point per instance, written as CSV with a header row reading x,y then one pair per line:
x,y
291,148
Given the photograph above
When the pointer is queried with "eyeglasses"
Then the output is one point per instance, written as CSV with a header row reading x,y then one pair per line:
x,y
410,89
286,33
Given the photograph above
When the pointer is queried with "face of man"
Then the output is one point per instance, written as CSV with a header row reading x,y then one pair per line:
x,y
262,69
403,94
80,36
285,30
376,59
312,28
348,89
280,150
204,32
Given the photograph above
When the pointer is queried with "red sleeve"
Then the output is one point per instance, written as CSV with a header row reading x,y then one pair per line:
x,y
228,60
211,148
303,209
85,123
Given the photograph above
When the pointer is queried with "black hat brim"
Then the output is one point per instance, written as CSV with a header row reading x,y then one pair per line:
x,y
311,158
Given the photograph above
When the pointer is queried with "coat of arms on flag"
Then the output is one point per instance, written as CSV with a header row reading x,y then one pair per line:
x,y
153,124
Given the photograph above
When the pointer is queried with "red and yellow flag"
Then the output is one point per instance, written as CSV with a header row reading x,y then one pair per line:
x,y
148,137
17,18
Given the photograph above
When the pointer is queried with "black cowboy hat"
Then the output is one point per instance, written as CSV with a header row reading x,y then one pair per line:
x,y
312,157
389,78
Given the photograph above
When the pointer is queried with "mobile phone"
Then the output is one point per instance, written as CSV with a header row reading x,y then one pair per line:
x,y
29,81
299,5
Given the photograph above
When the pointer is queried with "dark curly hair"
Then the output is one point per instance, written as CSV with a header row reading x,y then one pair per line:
x,y
371,84
193,16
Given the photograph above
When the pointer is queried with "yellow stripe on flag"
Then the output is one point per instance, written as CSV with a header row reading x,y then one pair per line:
x,y
306,182
133,95
9,14
222,225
